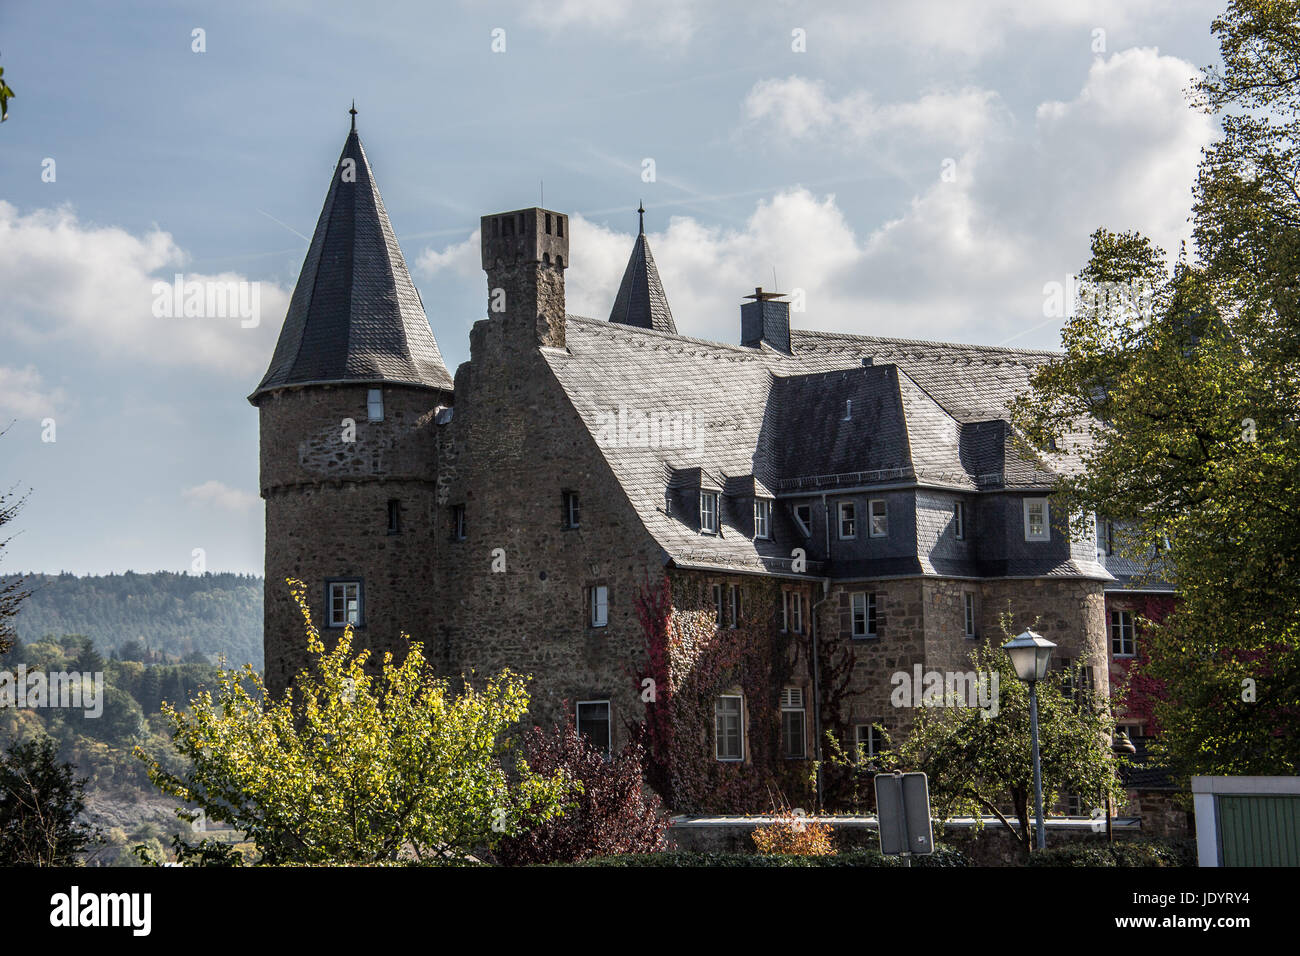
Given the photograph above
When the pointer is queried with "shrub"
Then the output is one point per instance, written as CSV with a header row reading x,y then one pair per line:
x,y
614,813
1166,853
794,835
942,857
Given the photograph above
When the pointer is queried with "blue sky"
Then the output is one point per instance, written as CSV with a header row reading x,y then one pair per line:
x,y
825,165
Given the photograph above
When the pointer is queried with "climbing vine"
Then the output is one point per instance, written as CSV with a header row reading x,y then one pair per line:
x,y
689,662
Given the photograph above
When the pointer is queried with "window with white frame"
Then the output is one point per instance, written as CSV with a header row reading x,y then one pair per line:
x,y
728,727
1123,640
717,605
792,612
793,724
709,512
879,511
959,520
864,614
571,512
599,605
1037,520
375,404
848,520
593,723
762,517
803,518
968,603
344,603
458,522
733,605
869,740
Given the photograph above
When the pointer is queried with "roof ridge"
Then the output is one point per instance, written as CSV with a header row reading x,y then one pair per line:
x,y
894,340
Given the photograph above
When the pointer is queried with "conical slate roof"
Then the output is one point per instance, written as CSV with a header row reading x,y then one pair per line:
x,y
355,316
641,300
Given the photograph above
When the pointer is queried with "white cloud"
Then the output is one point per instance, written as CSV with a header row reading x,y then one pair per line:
x,y
800,108
23,395
77,285
963,260
222,496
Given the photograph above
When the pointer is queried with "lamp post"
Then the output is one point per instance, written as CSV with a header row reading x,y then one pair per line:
x,y
1120,745
1030,654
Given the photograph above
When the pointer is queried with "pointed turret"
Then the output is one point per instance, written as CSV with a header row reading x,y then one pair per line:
x,y
355,316
641,300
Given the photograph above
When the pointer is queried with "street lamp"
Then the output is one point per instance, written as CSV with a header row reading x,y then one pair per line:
x,y
1030,654
1120,746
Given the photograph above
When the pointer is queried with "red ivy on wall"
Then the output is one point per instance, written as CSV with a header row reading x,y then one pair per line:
x,y
691,661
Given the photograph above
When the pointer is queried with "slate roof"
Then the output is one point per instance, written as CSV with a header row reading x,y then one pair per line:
x,y
355,315
921,412
641,300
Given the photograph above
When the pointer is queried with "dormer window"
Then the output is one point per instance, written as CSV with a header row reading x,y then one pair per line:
x,y
709,512
848,520
879,518
803,517
1036,520
375,405
762,517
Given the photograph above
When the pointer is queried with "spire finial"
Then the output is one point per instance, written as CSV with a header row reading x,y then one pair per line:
x,y
640,211
353,111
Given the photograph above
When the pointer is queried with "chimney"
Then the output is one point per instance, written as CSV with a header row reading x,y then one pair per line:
x,y
525,253
765,319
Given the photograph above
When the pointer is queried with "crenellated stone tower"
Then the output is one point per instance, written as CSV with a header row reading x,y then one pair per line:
x,y
348,458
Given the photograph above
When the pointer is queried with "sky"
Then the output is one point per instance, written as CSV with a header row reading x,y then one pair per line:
x,y
921,169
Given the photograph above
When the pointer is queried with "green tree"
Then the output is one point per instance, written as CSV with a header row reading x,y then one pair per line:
x,y
41,804
1193,390
348,767
979,764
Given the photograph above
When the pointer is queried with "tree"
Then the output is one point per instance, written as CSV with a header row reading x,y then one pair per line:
x,y
12,590
1193,391
614,812
41,803
347,767
980,764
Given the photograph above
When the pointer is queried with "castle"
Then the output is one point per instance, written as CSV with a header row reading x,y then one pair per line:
x,y
860,501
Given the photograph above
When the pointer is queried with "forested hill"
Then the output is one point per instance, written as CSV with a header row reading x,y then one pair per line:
x,y
172,615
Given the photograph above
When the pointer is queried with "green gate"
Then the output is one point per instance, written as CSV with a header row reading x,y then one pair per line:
x,y
1259,831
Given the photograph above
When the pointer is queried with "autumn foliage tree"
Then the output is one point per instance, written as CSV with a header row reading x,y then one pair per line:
x,y
613,810
349,767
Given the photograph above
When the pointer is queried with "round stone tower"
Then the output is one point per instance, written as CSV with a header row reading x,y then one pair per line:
x,y
348,456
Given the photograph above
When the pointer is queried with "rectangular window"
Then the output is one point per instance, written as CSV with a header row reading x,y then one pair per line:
x,y
458,522
599,605
879,518
1036,520
959,521
709,512
864,614
848,520
869,740
968,599
1123,642
394,516
570,501
794,744
1105,537
717,604
375,405
792,618
803,516
344,603
762,518
733,605
728,728
593,723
